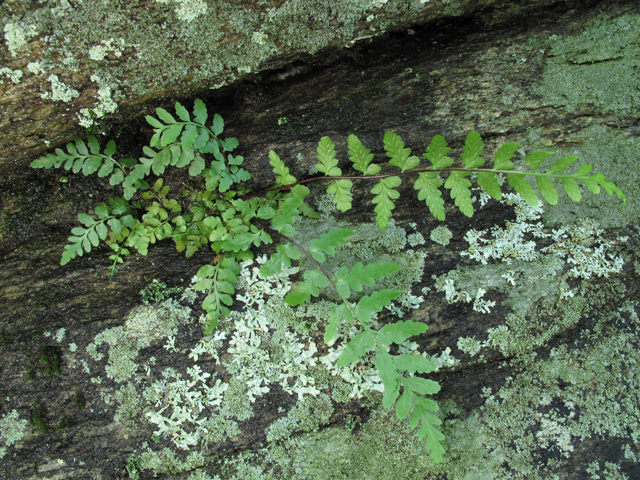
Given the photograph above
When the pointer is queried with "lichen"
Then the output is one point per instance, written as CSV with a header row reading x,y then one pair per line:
x,y
60,91
441,235
595,68
14,75
11,430
17,34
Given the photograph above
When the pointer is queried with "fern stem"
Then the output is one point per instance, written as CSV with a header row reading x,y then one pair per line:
x,y
408,172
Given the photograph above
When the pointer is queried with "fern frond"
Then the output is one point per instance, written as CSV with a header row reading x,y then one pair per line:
x,y
361,157
340,189
346,280
218,282
437,151
472,150
460,191
400,156
328,242
283,177
428,186
385,194
327,157
313,280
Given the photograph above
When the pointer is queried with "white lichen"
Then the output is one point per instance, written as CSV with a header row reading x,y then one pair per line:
x,y
188,10
11,430
17,34
14,75
60,91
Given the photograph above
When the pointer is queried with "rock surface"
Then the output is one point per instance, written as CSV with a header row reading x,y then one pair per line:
x,y
546,379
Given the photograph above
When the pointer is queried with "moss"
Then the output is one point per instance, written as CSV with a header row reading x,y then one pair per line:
x,y
38,418
51,359
80,400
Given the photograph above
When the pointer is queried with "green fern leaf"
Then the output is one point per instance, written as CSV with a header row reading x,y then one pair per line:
x,y
421,385
400,156
562,164
427,429
571,187
398,332
414,363
328,242
341,191
384,199
388,373
361,157
286,212
283,177
189,136
404,405
165,116
374,303
182,112
93,144
428,186
71,251
460,192
338,312
197,166
106,169
154,122
548,190
346,280
199,111
327,157
218,128
535,159
504,155
91,165
437,153
312,280
522,186
472,150
609,187
489,183
82,148
171,134
332,325
356,348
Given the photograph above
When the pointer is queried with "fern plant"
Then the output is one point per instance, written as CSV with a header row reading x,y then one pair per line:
x,y
221,213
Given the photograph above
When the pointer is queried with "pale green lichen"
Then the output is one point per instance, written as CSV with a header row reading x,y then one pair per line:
x,y
281,428
17,34
14,75
416,239
441,235
188,10
595,68
143,326
60,91
39,67
11,430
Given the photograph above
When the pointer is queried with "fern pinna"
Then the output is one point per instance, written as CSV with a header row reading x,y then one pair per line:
x,y
221,213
